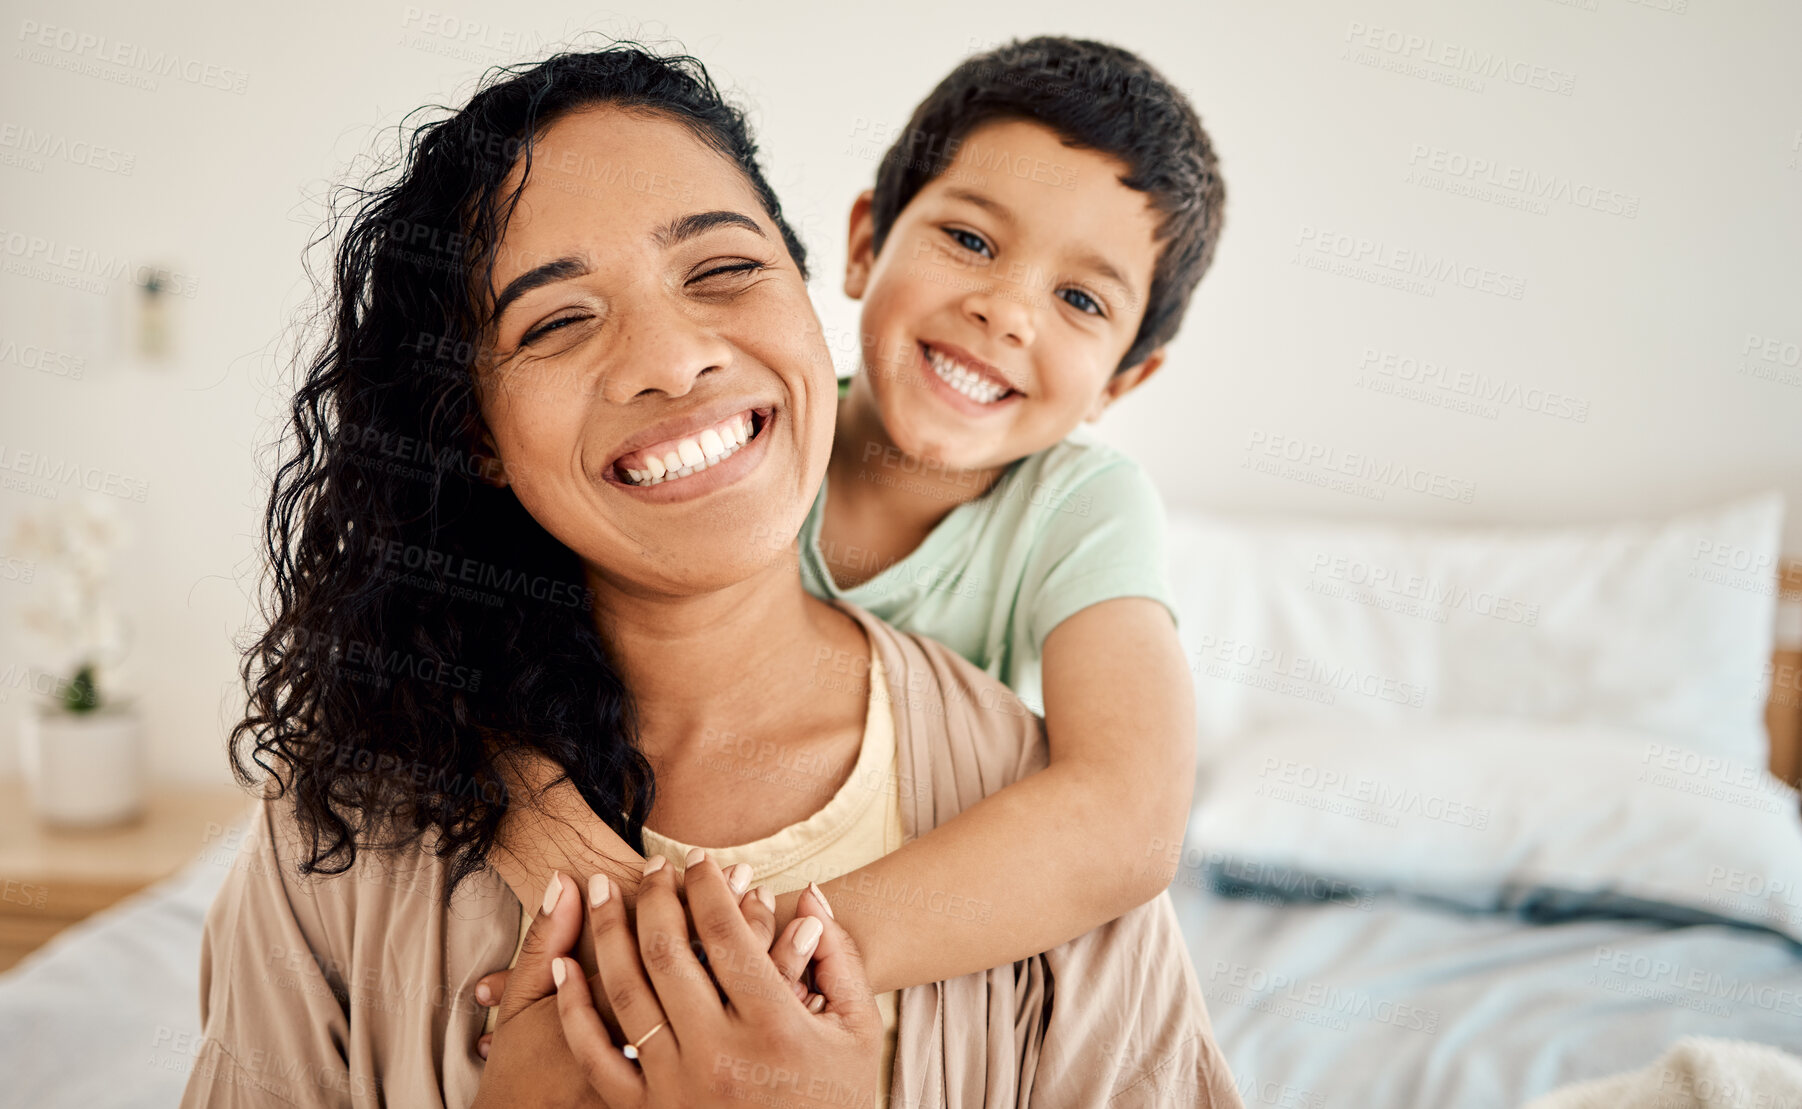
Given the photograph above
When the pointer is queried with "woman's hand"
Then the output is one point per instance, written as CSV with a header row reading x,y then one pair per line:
x,y
790,960
692,1047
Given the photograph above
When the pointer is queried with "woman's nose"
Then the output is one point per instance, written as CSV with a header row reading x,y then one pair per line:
x,y
663,349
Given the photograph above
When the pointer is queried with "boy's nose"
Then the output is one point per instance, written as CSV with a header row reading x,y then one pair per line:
x,y
1001,315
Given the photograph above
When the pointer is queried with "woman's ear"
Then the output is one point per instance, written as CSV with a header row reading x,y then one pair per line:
x,y
861,253
487,459
1124,382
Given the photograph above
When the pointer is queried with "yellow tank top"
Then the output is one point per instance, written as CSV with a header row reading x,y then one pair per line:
x,y
860,824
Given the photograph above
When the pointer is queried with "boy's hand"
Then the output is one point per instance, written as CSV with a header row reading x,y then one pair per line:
x,y
528,1059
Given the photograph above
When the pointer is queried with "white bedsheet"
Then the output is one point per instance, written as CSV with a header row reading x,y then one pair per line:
x,y
107,1014
1379,1002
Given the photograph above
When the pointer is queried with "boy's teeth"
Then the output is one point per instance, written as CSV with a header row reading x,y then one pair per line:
x,y
692,454
973,385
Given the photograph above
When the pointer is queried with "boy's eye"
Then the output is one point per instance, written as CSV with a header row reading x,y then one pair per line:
x,y
970,241
1081,301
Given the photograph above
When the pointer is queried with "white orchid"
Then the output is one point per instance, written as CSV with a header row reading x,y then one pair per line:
x,y
74,543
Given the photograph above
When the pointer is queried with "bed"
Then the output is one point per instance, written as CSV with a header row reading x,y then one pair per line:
x,y
1480,814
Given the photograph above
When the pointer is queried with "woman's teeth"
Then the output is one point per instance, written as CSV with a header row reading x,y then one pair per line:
x,y
691,455
971,384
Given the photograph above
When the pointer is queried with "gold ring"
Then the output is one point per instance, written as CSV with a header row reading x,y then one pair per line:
x,y
630,1051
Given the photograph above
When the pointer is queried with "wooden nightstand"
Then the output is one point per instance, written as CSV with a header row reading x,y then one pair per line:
x,y
51,879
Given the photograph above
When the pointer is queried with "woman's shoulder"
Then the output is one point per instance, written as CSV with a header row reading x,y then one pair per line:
x,y
393,891
960,732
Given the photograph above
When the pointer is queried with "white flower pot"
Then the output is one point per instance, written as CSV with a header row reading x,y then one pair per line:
x,y
84,770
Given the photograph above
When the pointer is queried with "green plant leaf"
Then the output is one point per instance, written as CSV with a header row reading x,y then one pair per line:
x,y
82,695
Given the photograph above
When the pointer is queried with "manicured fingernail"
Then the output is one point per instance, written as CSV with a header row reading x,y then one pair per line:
x,y
484,994
482,1050
557,971
769,899
553,892
653,864
696,857
597,890
808,934
739,877
821,897
816,1003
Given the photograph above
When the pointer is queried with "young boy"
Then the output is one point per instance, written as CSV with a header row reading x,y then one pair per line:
x,y
1029,248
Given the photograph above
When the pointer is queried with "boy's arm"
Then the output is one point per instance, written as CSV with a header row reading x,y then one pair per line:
x,y
1059,852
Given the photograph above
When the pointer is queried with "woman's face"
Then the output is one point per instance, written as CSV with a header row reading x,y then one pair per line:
x,y
657,387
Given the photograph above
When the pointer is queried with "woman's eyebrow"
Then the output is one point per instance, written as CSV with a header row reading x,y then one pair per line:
x,y
537,277
675,231
687,227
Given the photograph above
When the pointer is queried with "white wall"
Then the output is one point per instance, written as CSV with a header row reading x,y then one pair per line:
x,y
1693,114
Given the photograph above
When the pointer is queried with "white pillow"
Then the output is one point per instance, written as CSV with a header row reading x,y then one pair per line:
x,y
1665,626
1501,814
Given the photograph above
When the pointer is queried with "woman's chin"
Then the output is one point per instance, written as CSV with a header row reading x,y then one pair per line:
x,y
719,565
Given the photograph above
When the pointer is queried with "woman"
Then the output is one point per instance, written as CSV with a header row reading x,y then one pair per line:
x,y
580,272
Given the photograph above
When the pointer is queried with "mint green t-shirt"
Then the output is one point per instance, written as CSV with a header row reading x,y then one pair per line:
x,y
1071,526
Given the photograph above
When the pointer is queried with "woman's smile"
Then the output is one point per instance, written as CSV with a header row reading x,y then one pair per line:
x,y
703,454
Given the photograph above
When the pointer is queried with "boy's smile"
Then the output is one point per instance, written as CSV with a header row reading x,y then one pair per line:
x,y
1004,297
966,381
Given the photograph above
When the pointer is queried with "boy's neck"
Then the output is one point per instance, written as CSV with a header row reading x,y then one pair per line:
x,y
870,476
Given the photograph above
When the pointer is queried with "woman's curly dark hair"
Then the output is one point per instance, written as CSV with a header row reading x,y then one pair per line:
x,y
421,622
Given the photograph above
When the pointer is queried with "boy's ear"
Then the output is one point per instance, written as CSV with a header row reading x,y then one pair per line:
x,y
860,254
1124,382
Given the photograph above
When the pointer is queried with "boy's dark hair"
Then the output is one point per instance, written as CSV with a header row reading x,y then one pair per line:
x,y
1096,96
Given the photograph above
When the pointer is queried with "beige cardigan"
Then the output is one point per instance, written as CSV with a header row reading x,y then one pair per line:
x,y
358,989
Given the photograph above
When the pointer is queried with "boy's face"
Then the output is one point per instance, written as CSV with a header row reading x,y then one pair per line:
x,y
1004,297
